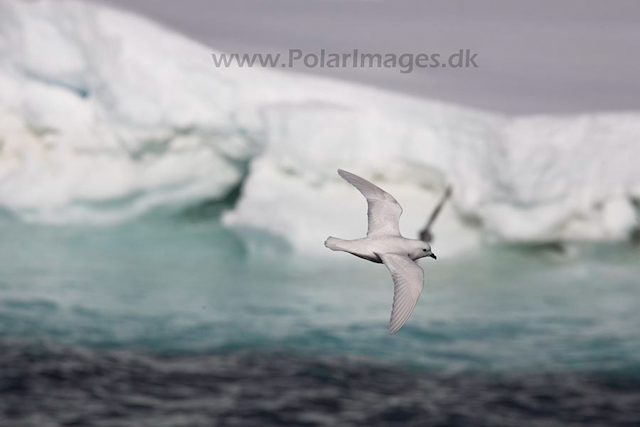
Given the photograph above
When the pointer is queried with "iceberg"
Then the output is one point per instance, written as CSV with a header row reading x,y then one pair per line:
x,y
106,116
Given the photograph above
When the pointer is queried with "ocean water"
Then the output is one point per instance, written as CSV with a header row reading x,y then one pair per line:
x,y
174,322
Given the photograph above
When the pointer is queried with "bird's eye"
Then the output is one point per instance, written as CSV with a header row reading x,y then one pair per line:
x,y
424,250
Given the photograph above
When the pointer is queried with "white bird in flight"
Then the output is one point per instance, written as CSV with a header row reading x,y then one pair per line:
x,y
384,244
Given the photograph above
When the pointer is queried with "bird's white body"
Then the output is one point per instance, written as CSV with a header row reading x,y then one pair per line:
x,y
369,248
384,244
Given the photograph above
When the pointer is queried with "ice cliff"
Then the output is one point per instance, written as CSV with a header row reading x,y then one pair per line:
x,y
105,116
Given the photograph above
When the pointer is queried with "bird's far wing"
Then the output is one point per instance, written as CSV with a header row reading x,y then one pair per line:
x,y
384,211
408,281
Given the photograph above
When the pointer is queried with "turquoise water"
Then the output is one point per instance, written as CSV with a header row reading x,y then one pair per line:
x,y
179,286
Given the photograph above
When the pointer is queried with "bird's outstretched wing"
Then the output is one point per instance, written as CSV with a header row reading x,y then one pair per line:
x,y
408,281
384,211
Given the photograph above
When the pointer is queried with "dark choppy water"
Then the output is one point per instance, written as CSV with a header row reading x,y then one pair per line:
x,y
49,385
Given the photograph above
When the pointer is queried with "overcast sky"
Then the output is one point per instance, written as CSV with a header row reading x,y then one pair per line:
x,y
536,56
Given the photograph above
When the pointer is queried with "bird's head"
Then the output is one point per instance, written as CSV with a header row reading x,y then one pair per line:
x,y
423,250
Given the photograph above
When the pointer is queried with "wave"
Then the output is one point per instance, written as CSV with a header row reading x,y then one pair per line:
x,y
272,389
105,116
86,386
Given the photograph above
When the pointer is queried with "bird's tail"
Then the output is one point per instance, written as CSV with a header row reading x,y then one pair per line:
x,y
334,244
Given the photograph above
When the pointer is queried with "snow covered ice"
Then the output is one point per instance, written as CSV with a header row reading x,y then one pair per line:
x,y
105,116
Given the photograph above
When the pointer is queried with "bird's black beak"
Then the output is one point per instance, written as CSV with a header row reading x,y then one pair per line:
x,y
433,256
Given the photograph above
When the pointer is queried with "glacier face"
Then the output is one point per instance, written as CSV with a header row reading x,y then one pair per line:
x,y
105,116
